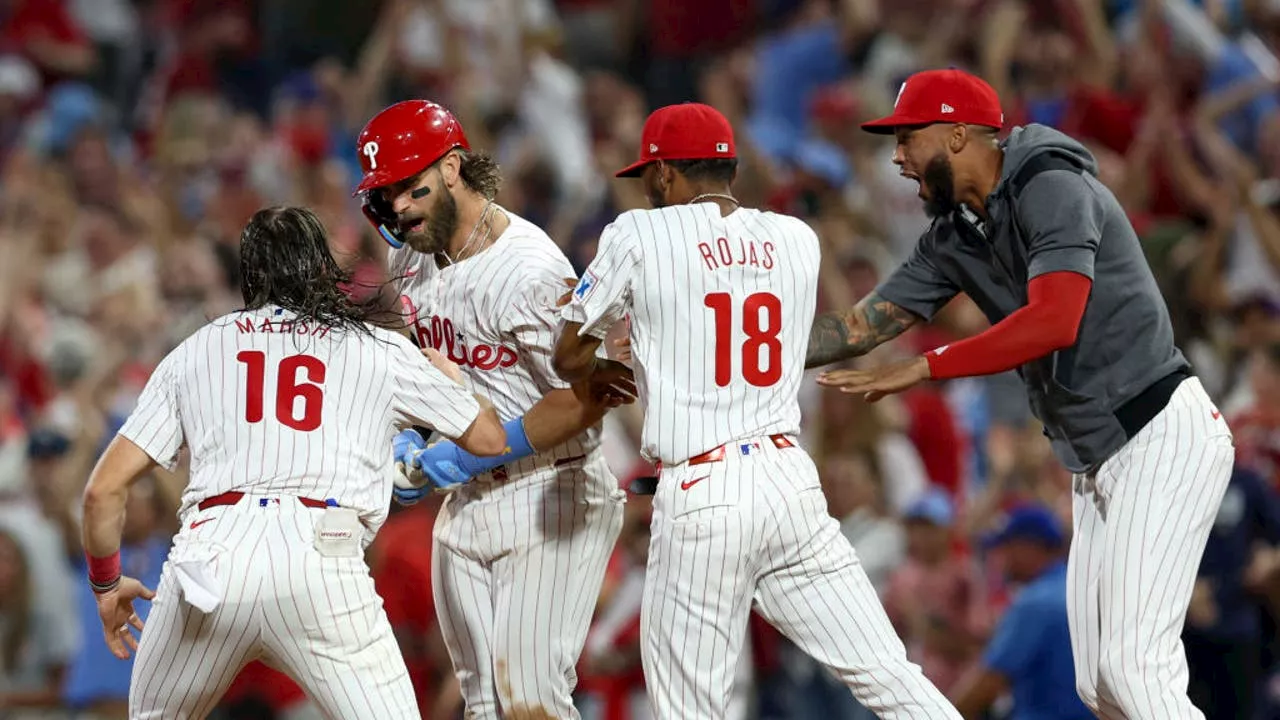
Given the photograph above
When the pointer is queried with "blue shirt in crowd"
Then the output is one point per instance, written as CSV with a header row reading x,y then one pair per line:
x,y
1032,648
95,674
791,67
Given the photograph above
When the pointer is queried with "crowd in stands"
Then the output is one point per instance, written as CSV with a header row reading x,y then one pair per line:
x,y
138,136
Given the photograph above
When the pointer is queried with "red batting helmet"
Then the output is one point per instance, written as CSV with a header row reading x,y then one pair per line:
x,y
403,140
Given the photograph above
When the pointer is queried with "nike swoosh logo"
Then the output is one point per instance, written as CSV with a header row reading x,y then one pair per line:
x,y
690,483
198,523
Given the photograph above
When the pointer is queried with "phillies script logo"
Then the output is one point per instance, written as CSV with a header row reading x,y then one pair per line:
x,y
438,333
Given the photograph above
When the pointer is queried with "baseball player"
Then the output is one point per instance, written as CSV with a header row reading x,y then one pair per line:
x,y
287,408
719,298
520,552
1024,227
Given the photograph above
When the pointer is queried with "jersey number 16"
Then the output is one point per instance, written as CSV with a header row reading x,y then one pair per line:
x,y
761,335
288,389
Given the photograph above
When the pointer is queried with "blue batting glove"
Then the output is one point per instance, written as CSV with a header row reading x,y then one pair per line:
x,y
442,463
410,496
406,443
405,448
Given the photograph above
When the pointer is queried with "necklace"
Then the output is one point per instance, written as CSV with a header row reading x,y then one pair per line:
x,y
484,213
720,196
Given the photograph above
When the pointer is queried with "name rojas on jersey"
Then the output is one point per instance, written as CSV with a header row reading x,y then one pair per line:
x,y
719,309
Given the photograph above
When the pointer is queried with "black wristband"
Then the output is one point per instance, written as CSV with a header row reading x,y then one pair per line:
x,y
100,588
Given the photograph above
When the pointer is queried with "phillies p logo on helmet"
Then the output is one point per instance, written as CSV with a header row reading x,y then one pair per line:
x,y
403,140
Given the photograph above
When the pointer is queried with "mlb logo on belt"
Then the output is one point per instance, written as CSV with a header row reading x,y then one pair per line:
x,y
746,448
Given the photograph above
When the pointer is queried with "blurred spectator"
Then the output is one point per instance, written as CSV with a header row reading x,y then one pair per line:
x,y
681,38
611,682
1029,655
852,425
137,137
33,652
933,598
400,563
1257,427
1224,631
856,497
47,34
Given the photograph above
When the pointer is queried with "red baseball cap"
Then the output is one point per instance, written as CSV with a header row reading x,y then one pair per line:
x,y
688,131
941,96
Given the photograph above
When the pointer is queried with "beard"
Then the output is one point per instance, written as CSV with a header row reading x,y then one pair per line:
x,y
441,223
940,182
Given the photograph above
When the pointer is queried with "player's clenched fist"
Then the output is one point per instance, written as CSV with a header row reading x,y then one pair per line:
x,y
115,607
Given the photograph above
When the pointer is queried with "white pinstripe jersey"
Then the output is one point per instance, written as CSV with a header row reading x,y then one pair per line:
x,y
720,310
273,407
495,315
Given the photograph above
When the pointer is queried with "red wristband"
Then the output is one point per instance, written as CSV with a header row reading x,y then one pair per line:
x,y
930,357
104,571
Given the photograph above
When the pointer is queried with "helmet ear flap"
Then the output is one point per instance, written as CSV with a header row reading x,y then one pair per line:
x,y
378,212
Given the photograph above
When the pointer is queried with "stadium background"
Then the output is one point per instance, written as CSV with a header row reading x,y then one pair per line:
x,y
136,137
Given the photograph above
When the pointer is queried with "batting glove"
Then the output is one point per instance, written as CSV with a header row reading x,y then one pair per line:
x,y
405,448
422,468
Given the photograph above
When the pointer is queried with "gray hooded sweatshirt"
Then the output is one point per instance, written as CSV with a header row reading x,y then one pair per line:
x,y
1050,213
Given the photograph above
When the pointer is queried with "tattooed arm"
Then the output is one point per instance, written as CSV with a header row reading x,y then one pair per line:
x,y
841,335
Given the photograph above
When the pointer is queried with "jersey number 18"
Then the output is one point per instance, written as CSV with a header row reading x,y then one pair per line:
x,y
759,336
288,389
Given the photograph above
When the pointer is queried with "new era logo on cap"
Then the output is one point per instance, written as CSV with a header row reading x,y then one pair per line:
x,y
947,108
722,147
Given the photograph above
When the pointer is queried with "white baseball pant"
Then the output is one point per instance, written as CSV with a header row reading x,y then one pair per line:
x,y
516,571
317,619
1141,525
755,526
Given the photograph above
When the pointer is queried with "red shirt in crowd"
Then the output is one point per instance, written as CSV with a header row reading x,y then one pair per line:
x,y
1257,440
680,28
33,20
401,570
272,687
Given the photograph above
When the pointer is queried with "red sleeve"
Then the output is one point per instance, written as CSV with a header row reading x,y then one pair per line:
x,y
1049,321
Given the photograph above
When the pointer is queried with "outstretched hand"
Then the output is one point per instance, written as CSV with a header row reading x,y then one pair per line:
x,y
877,382
115,608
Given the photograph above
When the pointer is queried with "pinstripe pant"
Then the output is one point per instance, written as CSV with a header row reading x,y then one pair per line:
x,y
750,528
1141,525
516,572
317,619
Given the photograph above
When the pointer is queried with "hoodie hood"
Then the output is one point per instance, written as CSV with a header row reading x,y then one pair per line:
x,y
1030,141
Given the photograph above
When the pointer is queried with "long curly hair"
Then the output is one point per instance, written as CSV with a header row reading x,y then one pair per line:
x,y
285,261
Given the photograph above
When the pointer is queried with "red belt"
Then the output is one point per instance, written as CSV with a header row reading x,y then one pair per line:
x,y
233,497
717,454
